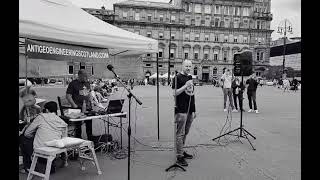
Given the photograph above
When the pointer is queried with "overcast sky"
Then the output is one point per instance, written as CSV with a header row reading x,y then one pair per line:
x,y
281,9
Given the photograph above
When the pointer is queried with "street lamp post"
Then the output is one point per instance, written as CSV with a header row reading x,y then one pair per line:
x,y
169,53
284,27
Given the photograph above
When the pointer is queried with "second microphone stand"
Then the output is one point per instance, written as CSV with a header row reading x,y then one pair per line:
x,y
130,95
243,131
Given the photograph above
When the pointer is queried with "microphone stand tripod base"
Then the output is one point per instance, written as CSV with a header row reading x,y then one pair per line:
x,y
175,166
244,132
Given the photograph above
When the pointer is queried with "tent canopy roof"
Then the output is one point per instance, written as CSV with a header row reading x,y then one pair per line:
x,y
61,21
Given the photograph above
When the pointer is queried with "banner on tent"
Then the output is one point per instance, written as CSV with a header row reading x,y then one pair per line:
x,y
57,51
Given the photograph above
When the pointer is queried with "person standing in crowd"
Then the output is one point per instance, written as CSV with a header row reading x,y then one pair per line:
x,y
251,92
184,110
227,91
237,91
78,95
295,84
286,84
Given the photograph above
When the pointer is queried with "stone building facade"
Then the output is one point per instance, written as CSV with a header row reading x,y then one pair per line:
x,y
208,32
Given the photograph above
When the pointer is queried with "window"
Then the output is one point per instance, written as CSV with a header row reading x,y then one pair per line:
x,y
236,23
197,8
231,11
82,65
160,35
160,55
173,18
190,7
206,54
70,69
195,71
149,17
245,39
216,21
226,22
237,11
207,9
196,54
187,20
202,22
148,55
171,66
245,11
217,10
124,15
192,22
215,55
225,56
216,38
245,23
92,72
161,17
187,37
198,21
186,55
172,55
197,37
187,7
226,10
235,39
149,34
172,35
225,38
206,37
137,17
258,24
149,65
160,65
261,56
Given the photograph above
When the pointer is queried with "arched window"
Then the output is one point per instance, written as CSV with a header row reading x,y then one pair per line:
x,y
195,70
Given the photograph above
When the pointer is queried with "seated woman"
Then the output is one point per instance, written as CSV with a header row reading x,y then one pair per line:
x,y
47,126
96,98
28,112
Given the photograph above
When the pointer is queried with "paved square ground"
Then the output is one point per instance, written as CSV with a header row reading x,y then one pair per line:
x,y
277,128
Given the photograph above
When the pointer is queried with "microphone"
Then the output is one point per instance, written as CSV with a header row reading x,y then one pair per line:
x,y
110,68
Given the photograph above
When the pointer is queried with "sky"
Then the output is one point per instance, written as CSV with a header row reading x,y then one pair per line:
x,y
281,9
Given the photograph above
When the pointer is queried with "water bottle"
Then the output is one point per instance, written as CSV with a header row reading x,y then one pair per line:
x,y
84,106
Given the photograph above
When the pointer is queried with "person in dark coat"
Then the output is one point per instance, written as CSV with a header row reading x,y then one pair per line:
x,y
237,91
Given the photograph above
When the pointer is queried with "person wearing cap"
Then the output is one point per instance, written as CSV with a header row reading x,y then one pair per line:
x,y
77,94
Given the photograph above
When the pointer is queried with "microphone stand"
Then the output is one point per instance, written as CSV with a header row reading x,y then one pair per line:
x,y
130,95
175,165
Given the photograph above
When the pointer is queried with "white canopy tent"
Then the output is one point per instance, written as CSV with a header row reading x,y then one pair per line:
x,y
166,76
154,76
61,21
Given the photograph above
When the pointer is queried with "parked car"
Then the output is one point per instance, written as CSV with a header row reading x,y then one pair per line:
x,y
59,82
22,82
269,83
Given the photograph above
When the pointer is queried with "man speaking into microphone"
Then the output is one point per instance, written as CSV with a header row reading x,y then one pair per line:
x,y
184,110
